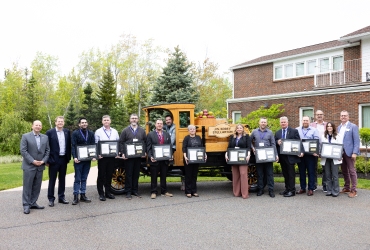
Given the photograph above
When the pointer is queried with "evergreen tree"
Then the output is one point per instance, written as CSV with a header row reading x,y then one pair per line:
x,y
33,101
71,118
107,93
90,109
176,82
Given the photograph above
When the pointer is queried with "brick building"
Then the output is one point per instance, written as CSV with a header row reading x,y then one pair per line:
x,y
331,76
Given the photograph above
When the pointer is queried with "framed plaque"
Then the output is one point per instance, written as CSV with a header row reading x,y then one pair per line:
x,y
290,147
108,148
265,154
162,152
134,149
237,156
311,146
196,155
86,152
332,150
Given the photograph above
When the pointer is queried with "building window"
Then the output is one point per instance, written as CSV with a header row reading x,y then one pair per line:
x,y
311,67
338,63
237,115
324,65
278,72
288,70
306,111
365,115
299,69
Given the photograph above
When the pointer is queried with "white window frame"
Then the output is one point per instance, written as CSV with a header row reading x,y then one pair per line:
x,y
233,113
285,71
282,72
342,68
360,113
327,70
295,69
314,68
301,109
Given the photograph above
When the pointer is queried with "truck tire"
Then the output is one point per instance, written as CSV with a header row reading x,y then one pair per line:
x,y
118,181
252,178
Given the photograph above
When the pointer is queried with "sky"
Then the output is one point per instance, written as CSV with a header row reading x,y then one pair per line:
x,y
228,32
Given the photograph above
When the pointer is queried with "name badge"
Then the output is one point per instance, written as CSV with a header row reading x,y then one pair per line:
x,y
134,140
236,147
347,129
261,144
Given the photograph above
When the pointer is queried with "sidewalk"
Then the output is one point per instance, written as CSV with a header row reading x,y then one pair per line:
x,y
91,180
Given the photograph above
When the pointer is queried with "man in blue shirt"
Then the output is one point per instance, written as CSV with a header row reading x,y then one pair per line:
x,y
308,161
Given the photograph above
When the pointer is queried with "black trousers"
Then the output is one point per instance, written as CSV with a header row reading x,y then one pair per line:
x,y
132,168
288,173
262,169
162,167
105,171
59,169
191,174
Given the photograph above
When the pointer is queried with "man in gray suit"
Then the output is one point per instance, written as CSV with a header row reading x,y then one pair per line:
x,y
351,145
35,152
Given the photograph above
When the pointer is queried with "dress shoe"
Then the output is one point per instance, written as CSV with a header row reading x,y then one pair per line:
x,y
63,201
75,199
334,195
188,195
128,196
302,191
328,194
109,196
26,209
102,197
51,203
345,190
36,206
167,194
195,195
260,192
137,195
283,192
271,193
153,196
83,198
289,194
309,193
352,194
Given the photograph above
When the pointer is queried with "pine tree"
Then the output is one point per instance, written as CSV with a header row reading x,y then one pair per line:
x,y
107,93
71,118
33,101
176,82
90,109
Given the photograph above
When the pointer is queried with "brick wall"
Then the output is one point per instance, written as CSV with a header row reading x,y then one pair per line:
x,y
332,105
352,64
258,81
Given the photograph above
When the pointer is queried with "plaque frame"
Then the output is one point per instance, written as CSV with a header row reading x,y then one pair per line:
x,y
293,151
338,154
309,141
90,155
110,154
166,152
135,144
267,149
197,150
239,161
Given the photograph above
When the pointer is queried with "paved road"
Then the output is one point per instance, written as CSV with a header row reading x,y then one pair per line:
x,y
215,220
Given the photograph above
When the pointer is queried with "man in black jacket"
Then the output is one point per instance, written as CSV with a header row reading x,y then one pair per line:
x,y
287,162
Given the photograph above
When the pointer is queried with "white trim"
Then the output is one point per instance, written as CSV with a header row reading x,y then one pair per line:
x,y
355,37
301,113
233,115
330,91
294,56
360,113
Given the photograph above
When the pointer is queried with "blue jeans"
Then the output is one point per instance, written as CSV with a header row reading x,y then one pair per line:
x,y
82,170
307,164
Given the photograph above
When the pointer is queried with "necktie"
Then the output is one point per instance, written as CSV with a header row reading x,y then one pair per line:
x,y
283,134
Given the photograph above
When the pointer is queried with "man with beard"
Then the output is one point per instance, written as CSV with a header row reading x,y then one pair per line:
x,y
133,133
81,136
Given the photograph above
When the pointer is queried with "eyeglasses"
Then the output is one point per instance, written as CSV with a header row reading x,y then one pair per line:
x,y
319,114
134,118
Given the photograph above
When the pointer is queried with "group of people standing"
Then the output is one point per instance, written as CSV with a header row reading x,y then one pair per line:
x,y
346,134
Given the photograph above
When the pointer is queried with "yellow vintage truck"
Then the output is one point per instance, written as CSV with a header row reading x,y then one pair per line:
x,y
215,135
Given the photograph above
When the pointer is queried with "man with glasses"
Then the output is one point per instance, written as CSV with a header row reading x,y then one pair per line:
x,y
320,125
133,133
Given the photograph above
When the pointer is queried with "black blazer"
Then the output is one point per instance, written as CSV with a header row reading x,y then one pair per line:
x,y
54,145
244,142
292,133
152,139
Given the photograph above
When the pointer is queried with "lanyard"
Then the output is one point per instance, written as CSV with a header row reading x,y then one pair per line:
x,y
134,132
304,134
87,135
237,141
110,133
159,135
262,135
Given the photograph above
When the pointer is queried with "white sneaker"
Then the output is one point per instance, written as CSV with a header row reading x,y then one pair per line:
x,y
153,196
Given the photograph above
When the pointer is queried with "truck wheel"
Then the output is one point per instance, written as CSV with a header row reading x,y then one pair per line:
x,y
118,181
252,178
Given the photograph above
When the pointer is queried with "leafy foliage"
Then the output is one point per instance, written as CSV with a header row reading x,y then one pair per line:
x,y
272,114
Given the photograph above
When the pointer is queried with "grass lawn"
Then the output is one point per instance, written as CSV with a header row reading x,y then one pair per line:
x,y
11,177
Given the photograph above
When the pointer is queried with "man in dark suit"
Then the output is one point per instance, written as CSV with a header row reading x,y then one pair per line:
x,y
35,152
60,155
287,162
351,145
158,137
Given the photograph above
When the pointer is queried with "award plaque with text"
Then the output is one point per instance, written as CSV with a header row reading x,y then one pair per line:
x,y
265,154
332,150
108,148
196,155
86,152
290,147
134,149
162,152
311,146
237,156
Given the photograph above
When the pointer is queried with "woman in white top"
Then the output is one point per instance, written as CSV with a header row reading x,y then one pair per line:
x,y
331,165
